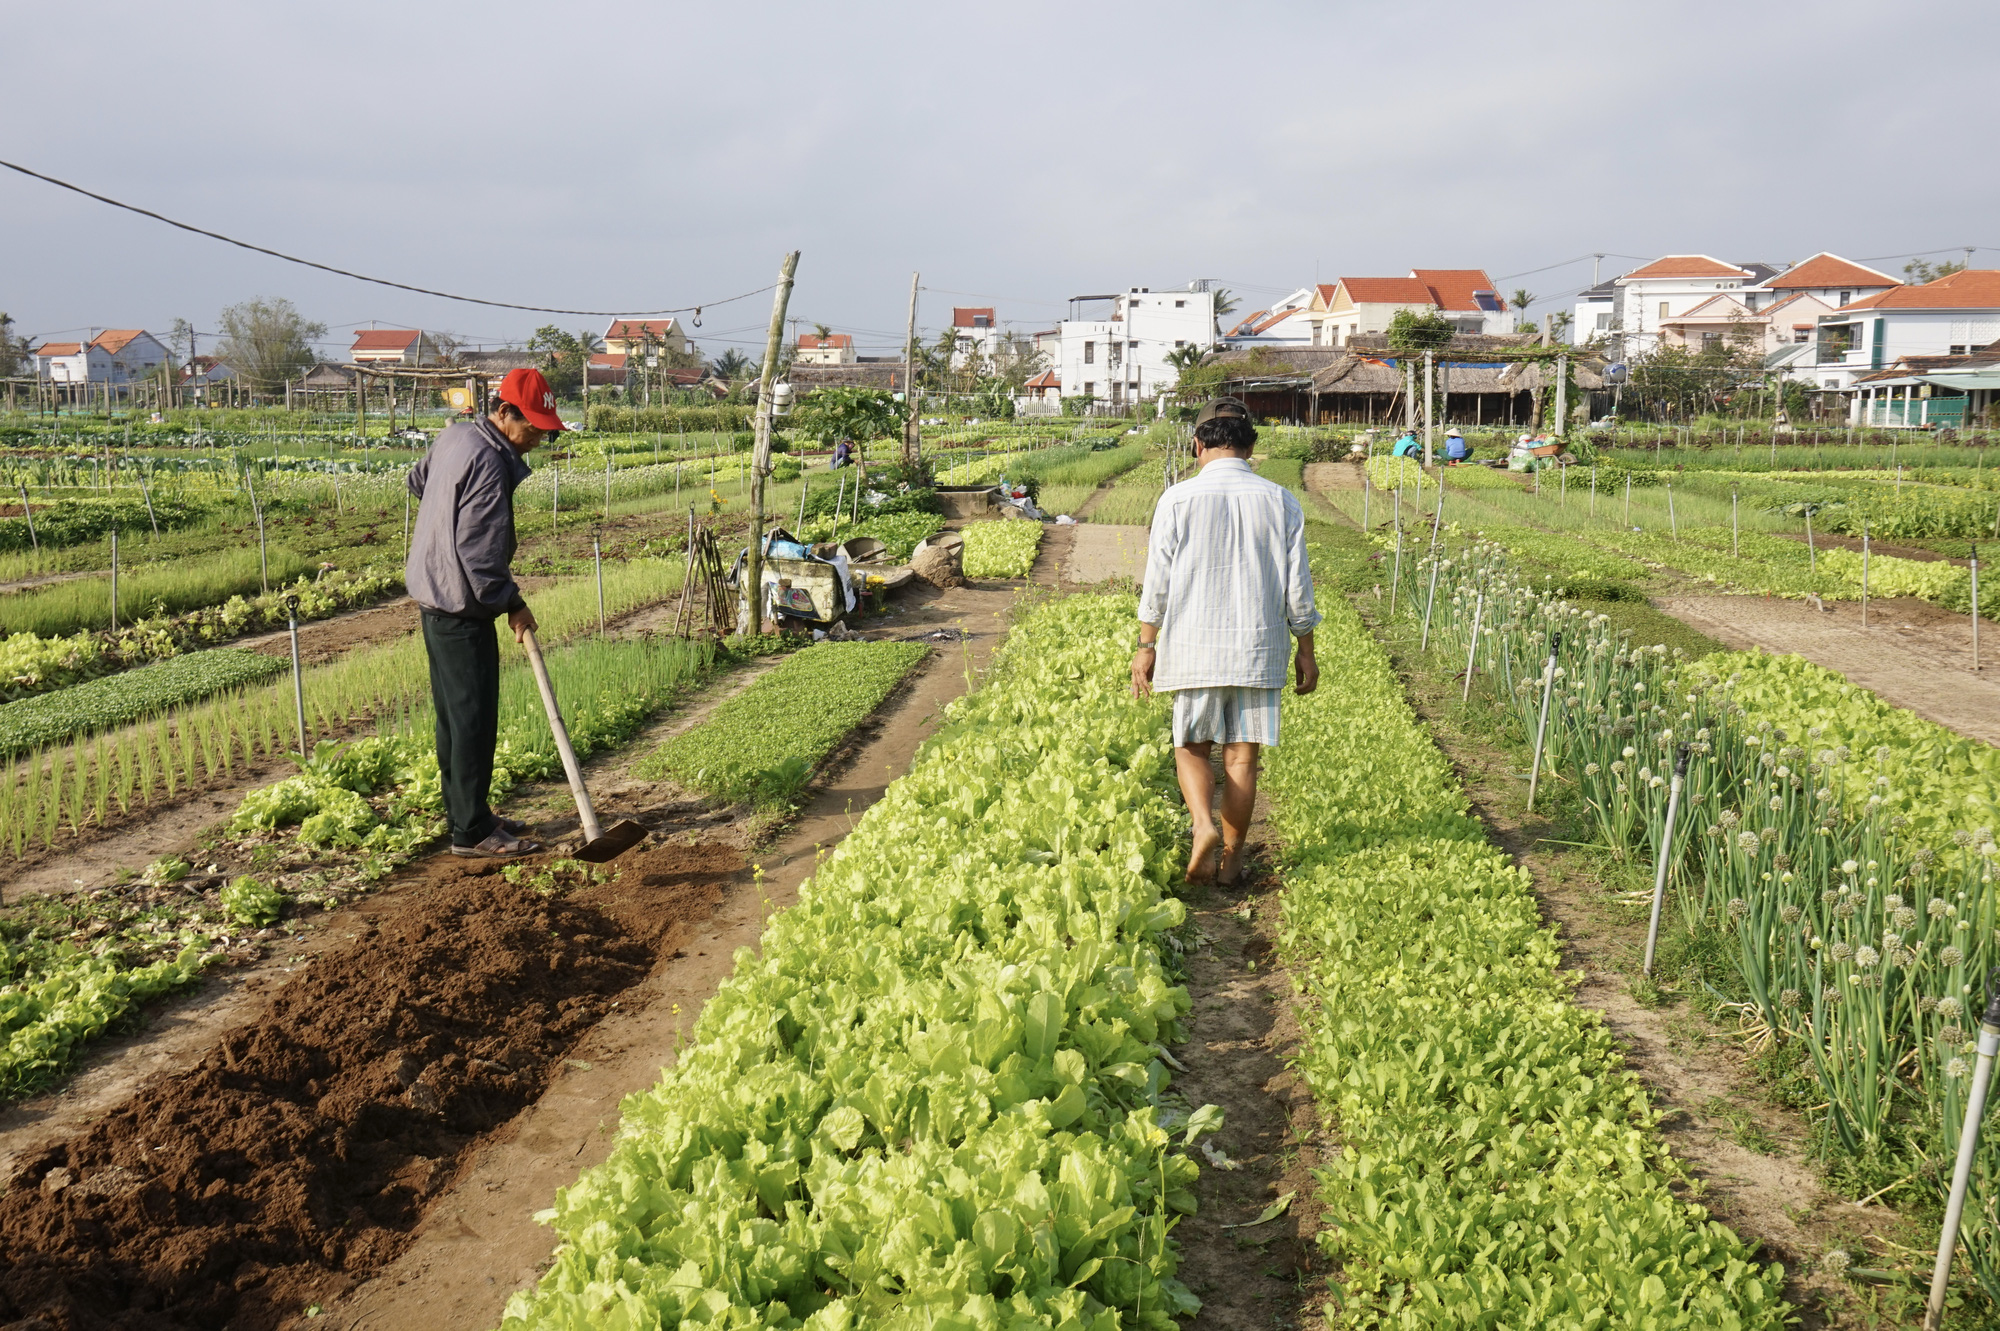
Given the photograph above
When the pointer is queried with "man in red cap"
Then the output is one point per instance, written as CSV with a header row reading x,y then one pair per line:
x,y
459,573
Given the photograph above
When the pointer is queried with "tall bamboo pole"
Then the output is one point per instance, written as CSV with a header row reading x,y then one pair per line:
x,y
760,452
912,439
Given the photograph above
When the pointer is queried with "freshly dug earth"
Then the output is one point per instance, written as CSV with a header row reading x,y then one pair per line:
x,y
302,1153
938,567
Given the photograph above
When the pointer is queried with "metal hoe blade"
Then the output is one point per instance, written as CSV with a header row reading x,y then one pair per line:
x,y
617,839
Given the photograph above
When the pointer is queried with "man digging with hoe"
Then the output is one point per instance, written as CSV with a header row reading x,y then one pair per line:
x,y
1227,587
459,573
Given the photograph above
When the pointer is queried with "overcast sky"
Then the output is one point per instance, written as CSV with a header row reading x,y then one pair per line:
x,y
630,157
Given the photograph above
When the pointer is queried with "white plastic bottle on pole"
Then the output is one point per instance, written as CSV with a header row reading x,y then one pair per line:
x,y
1665,858
1968,1146
1542,727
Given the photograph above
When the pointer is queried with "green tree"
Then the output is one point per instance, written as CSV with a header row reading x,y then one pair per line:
x,y
564,357
1521,300
1412,331
13,348
861,414
267,341
1224,304
1183,359
1919,272
730,366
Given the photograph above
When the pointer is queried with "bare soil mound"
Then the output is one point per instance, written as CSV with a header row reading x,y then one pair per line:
x,y
303,1151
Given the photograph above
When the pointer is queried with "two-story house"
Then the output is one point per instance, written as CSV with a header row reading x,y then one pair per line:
x,y
1954,315
645,337
392,346
1655,294
830,349
114,356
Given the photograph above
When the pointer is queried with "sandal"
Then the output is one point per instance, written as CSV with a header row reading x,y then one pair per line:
x,y
500,845
512,826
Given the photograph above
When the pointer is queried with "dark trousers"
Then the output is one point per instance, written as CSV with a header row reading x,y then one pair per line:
x,y
465,689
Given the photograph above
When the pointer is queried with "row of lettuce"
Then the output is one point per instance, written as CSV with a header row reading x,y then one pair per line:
x,y
931,1098
1497,1166
1838,851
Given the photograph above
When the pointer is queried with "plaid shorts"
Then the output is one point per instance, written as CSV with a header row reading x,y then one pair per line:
x,y
1226,714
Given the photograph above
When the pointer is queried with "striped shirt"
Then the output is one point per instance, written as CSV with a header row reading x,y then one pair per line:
x,y
1227,580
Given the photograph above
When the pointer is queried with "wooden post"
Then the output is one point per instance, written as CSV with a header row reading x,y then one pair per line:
x,y
912,438
752,591
360,405
114,580
1562,395
1430,372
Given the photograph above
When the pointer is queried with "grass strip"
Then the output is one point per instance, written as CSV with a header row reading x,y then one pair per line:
x,y
930,1098
144,589
763,744
1498,1167
115,700
1001,549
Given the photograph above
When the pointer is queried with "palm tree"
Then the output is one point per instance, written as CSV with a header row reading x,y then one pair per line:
x,y
730,365
1224,304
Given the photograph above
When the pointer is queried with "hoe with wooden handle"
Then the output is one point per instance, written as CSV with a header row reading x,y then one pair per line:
x,y
599,845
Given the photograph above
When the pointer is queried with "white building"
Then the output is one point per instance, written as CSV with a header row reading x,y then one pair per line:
x,y
1289,323
1595,310
974,329
114,356
1123,358
1663,290
1951,316
1832,279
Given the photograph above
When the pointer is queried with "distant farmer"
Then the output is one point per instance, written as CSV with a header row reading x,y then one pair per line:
x,y
1455,449
458,572
843,453
1407,446
1227,590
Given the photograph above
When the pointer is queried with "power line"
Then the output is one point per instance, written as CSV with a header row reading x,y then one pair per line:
x,y
362,277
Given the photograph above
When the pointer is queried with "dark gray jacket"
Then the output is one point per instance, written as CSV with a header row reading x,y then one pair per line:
x,y
464,537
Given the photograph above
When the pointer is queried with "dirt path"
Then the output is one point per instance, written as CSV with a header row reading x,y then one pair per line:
x,y
1100,551
334,637
1912,653
478,1243
1242,1033
1322,477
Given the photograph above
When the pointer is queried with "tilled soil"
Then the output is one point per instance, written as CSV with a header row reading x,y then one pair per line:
x,y
303,1151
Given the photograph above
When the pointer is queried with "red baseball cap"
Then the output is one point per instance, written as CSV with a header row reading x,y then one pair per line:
x,y
530,392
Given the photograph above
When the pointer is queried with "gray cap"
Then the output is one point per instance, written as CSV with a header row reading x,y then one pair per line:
x,y
1221,406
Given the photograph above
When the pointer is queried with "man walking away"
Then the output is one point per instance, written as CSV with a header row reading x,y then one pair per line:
x,y
1227,589
459,573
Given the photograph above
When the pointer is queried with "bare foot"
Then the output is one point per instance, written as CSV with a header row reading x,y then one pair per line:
x,y
1232,863
1201,860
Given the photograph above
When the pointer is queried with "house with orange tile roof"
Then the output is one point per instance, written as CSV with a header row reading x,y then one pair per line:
x,y
645,337
826,349
114,356
1353,307
1832,279
1954,316
1287,323
392,346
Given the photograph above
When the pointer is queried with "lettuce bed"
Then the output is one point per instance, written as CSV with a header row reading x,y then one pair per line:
x,y
930,1099
1498,1167
764,743
1001,549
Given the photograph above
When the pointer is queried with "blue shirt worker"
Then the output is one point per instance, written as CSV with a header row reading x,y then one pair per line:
x,y
1455,449
1407,446
1227,606
459,572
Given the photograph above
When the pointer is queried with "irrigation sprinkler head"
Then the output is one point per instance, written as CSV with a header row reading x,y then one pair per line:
x,y
292,606
1681,761
1992,1017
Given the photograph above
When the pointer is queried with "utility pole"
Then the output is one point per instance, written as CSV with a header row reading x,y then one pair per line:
x,y
1409,394
912,439
760,452
1595,259
1562,394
